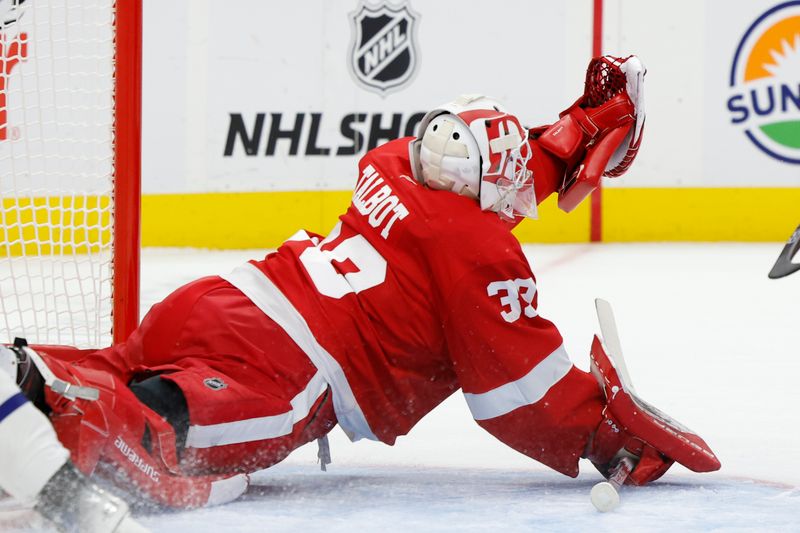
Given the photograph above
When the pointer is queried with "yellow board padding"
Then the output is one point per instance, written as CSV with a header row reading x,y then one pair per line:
x,y
52,225
266,219
700,214
554,225
237,220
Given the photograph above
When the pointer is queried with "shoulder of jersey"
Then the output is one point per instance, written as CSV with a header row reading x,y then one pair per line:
x,y
392,159
456,216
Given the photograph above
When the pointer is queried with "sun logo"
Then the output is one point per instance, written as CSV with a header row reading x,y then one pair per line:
x,y
765,83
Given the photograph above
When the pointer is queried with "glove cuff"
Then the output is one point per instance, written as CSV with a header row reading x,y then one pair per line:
x,y
605,443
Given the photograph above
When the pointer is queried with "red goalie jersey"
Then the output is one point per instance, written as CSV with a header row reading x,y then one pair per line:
x,y
417,293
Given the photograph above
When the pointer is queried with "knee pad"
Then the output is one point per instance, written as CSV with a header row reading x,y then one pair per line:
x,y
165,398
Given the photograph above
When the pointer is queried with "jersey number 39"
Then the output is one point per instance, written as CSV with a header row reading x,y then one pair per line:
x,y
513,293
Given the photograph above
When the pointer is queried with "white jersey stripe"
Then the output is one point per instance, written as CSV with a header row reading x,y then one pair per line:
x,y
265,427
267,297
527,390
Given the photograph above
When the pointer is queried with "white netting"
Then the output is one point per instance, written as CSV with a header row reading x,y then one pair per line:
x,y
56,170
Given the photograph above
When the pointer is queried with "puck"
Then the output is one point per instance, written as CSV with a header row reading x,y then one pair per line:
x,y
604,497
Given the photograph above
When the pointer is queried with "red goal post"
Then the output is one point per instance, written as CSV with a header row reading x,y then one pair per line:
x,y
127,152
70,165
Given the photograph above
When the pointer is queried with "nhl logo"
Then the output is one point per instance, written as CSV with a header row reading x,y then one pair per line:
x,y
383,54
215,383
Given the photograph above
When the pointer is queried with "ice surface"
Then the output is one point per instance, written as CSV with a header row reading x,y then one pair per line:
x,y
708,338
405,500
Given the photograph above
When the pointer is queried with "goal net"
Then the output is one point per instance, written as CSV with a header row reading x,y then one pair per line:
x,y
68,170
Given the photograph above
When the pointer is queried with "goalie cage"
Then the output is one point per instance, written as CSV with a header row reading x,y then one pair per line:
x,y
70,121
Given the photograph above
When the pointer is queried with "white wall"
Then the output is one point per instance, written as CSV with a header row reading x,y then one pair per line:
x,y
688,48
203,62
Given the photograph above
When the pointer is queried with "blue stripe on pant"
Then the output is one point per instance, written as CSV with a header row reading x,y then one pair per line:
x,y
11,405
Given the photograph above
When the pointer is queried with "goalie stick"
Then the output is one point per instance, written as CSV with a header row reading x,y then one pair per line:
x,y
605,495
784,265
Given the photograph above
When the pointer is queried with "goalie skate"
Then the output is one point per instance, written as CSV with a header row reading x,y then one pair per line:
x,y
651,425
73,503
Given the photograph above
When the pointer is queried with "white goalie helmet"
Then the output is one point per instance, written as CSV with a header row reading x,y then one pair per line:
x,y
472,146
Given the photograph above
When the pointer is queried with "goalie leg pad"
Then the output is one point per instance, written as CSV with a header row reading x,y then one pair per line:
x,y
118,438
238,421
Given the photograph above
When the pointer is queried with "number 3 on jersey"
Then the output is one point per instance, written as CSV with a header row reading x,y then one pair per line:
x,y
340,266
511,291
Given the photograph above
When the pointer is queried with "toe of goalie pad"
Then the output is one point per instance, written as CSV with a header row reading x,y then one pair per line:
x,y
644,421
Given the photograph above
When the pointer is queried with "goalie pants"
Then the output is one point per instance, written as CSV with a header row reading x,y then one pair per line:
x,y
252,395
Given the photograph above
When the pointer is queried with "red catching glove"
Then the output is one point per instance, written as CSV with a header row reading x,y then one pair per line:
x,y
600,134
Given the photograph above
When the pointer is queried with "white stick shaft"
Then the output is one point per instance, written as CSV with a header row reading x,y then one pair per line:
x,y
608,329
605,495
621,472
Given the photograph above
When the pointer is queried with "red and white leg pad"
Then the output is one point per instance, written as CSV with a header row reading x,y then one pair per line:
x,y
105,436
658,432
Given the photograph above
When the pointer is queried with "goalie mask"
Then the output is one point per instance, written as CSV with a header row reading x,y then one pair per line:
x,y
473,147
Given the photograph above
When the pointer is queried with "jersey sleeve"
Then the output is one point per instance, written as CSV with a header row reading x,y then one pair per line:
x,y
515,374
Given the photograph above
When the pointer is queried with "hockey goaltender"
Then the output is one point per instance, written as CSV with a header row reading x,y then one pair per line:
x,y
419,290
